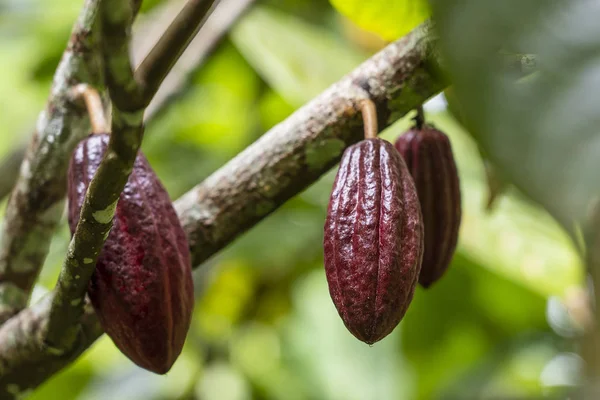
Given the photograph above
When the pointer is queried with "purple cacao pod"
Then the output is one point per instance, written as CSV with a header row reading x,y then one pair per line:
x,y
142,288
373,239
428,155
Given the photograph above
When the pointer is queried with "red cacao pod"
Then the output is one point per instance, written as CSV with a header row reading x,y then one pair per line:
x,y
142,288
428,155
373,239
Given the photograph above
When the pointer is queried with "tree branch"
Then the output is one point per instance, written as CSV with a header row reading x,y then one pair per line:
x,y
157,64
225,13
209,36
129,99
36,203
281,164
108,182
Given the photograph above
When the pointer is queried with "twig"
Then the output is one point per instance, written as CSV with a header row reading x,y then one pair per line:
x,y
36,203
281,164
226,12
157,64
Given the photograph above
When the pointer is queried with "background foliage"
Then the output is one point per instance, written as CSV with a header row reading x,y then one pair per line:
x,y
501,323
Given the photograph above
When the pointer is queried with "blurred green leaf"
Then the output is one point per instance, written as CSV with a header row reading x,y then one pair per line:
x,y
390,19
542,131
217,113
209,123
459,320
297,59
222,382
273,109
332,362
516,369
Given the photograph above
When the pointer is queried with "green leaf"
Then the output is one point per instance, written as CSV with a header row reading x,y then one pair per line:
x,y
542,131
297,59
461,329
389,19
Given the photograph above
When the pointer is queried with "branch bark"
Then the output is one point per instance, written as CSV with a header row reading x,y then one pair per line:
x,y
108,182
36,203
281,164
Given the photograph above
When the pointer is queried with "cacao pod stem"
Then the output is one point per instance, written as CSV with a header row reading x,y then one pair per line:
x,y
93,104
369,115
419,117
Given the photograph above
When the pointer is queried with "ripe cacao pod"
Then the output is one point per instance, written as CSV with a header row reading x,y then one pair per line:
x,y
142,288
428,155
373,239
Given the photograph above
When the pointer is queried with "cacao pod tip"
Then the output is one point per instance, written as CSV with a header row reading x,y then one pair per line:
x,y
427,281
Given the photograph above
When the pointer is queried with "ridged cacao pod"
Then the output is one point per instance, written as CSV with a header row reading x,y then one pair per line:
x,y
373,239
428,155
142,288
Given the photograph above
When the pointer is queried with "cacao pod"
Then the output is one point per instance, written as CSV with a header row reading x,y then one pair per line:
x,y
373,239
428,155
142,288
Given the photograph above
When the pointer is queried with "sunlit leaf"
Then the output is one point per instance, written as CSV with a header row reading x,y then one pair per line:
x,y
390,19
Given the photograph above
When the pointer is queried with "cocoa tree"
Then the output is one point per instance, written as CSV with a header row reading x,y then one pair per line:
x,y
38,340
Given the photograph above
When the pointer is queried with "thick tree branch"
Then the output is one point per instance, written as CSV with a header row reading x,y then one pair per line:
x,y
281,164
108,182
36,203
